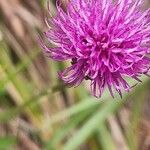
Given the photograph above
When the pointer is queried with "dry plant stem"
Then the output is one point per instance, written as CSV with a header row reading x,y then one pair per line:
x,y
14,21
124,115
117,134
19,109
21,130
26,142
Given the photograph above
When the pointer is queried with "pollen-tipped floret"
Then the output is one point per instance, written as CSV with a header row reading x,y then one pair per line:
x,y
105,40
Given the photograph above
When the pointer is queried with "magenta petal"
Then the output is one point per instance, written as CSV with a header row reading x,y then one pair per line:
x,y
104,40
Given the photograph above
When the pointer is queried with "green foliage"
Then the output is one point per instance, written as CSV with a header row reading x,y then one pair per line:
x,y
7,143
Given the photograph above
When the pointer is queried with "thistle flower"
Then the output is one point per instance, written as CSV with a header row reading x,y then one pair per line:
x,y
105,40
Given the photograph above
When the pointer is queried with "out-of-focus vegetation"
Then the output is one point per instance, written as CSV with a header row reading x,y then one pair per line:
x,y
38,113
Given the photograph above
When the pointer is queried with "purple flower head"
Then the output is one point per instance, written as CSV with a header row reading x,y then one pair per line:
x,y
106,41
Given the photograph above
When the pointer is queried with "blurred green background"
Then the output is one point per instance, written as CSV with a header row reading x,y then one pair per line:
x,y
38,113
